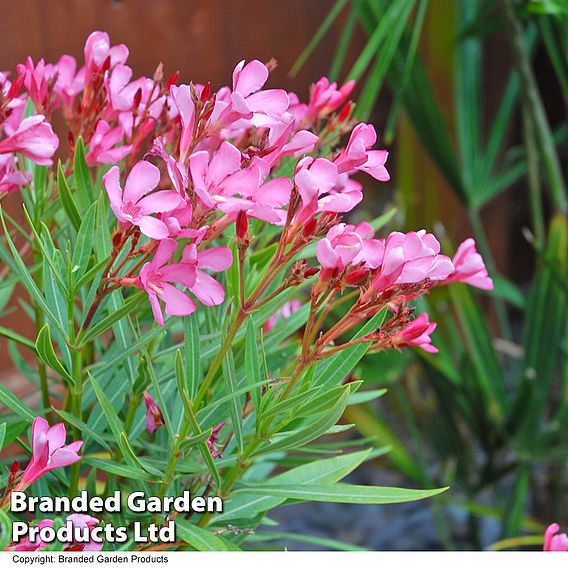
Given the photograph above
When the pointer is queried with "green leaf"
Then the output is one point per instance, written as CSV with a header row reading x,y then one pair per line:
x,y
24,273
45,350
206,454
84,244
235,405
116,425
309,432
252,362
318,36
15,404
324,471
343,493
120,469
13,336
110,319
192,353
67,199
333,370
82,175
198,538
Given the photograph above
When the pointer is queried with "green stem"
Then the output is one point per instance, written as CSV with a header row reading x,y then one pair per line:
x,y
77,410
535,108
485,250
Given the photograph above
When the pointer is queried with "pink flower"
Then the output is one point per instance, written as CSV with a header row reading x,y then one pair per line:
x,y
156,279
86,524
247,101
217,259
102,148
34,138
181,98
357,156
469,267
154,416
344,196
27,546
287,309
214,178
325,97
135,205
283,141
70,82
11,179
213,440
48,451
264,201
98,49
314,178
411,258
37,79
347,244
417,334
555,542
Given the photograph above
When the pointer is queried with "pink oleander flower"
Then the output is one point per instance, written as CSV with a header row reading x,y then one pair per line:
x,y
103,147
154,416
181,99
287,309
417,334
37,80
213,440
247,101
34,138
554,542
314,178
84,523
11,179
325,97
283,141
344,196
264,201
411,258
157,278
98,49
346,245
70,82
27,546
48,451
219,176
469,267
357,156
136,204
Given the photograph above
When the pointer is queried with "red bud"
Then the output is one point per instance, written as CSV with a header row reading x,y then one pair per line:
x,y
106,64
310,272
14,468
357,276
309,227
172,80
137,99
206,91
16,86
242,225
345,111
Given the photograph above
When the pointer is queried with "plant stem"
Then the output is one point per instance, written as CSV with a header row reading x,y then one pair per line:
x,y
534,106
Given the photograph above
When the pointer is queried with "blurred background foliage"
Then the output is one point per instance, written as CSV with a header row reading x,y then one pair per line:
x,y
472,95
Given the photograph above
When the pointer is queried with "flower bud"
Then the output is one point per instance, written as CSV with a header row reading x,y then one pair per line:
x,y
309,227
345,112
357,276
241,225
172,79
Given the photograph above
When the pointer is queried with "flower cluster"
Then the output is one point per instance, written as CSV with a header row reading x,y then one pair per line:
x,y
185,169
